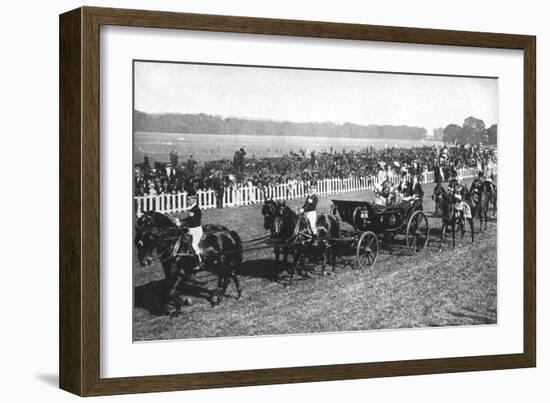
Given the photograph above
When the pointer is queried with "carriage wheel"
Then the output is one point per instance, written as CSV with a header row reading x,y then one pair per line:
x,y
418,232
367,249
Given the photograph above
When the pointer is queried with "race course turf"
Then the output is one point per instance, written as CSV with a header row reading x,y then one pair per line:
x,y
435,288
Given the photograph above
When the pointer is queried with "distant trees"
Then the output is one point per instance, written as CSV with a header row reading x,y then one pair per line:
x,y
492,134
452,134
473,131
209,124
438,133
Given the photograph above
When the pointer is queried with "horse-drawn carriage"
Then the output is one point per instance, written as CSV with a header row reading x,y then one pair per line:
x,y
373,223
158,237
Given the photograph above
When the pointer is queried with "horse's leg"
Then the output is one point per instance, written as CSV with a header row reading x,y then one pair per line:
x,y
173,296
333,256
471,223
216,298
288,267
442,235
226,274
277,252
481,220
303,269
325,253
296,262
237,283
453,229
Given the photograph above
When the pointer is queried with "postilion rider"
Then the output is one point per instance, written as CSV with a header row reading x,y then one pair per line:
x,y
309,208
193,224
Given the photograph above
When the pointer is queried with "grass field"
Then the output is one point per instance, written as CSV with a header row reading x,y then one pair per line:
x,y
447,288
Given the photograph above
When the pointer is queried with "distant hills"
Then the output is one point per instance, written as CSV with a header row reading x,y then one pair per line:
x,y
209,124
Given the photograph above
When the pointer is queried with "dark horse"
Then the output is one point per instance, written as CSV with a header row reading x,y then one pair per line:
x,y
478,200
491,191
451,217
292,236
436,197
328,229
158,237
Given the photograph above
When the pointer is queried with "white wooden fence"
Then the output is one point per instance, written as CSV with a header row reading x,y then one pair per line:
x,y
245,194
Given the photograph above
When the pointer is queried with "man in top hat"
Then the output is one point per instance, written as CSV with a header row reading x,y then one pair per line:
x,y
309,208
193,222
387,190
415,188
404,184
381,170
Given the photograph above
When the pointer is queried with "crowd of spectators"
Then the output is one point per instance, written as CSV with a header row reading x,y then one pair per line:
x,y
192,175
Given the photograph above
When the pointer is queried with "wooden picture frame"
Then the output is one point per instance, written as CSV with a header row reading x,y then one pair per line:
x,y
79,346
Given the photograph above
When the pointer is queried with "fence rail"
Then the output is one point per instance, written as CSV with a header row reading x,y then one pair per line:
x,y
243,195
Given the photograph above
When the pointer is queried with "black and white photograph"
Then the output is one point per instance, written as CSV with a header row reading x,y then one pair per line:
x,y
277,200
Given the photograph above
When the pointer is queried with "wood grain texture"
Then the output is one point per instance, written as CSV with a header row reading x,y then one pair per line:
x,y
70,274
80,195
530,202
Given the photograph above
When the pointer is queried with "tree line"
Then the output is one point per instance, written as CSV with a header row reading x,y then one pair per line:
x,y
472,131
209,124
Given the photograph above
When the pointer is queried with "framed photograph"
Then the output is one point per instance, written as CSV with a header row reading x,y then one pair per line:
x,y
248,201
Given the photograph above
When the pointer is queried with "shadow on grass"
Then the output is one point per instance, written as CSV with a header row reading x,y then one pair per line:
x,y
150,296
267,269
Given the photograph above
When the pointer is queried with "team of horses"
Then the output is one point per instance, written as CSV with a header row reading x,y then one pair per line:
x,y
157,237
454,215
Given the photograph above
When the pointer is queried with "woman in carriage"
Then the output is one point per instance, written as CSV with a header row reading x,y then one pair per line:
x,y
385,193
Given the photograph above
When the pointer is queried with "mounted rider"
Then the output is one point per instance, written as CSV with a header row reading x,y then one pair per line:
x,y
478,182
309,208
193,224
461,207
490,183
453,183
459,187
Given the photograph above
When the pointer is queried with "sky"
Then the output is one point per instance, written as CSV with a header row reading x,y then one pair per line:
x,y
314,96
